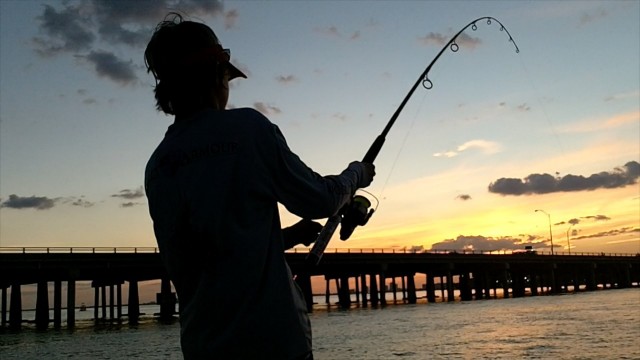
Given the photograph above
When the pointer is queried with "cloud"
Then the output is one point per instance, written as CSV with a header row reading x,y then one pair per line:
x,y
590,17
82,203
230,18
130,204
482,243
340,117
130,194
597,218
463,197
576,221
65,30
29,202
545,183
487,147
110,66
75,27
439,39
267,109
286,79
331,31
609,233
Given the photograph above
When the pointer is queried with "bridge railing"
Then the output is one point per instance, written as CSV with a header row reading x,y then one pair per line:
x,y
450,252
77,250
147,250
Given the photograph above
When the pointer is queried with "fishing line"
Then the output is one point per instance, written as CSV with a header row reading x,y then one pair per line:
x,y
541,104
402,144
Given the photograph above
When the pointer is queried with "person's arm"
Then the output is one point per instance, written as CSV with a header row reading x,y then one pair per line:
x,y
309,195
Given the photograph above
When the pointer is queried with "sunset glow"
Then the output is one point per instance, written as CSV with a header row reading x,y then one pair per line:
x,y
553,127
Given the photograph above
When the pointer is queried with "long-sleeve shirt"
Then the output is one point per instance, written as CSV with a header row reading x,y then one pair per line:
x,y
213,186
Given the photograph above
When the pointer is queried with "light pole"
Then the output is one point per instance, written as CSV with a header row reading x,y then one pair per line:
x,y
550,233
569,238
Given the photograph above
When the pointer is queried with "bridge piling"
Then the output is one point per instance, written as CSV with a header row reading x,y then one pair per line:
x,y
103,288
450,293
374,289
363,285
42,305
431,288
166,299
344,294
411,289
357,284
15,312
393,287
465,286
57,304
119,301
96,302
4,307
383,289
133,303
71,303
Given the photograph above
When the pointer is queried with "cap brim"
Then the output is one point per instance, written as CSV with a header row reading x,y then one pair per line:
x,y
234,72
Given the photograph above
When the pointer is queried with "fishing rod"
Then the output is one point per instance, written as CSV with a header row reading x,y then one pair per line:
x,y
357,212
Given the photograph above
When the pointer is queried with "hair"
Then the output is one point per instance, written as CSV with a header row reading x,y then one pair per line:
x,y
169,57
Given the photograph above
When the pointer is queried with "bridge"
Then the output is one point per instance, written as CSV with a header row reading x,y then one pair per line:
x,y
369,274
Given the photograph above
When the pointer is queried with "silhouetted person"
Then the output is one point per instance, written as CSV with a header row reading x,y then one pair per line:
x,y
214,184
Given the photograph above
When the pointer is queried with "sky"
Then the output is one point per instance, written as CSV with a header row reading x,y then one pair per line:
x,y
553,127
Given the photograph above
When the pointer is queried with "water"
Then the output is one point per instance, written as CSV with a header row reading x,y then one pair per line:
x,y
588,325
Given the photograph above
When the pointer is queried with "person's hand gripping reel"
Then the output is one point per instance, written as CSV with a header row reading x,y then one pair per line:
x,y
356,214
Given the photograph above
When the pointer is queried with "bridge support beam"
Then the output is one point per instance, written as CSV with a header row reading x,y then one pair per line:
x,y
344,293
517,283
4,307
71,303
57,304
103,288
431,288
166,299
42,305
505,281
119,301
96,302
393,287
133,303
576,281
363,286
15,313
465,287
383,289
327,291
533,283
412,298
555,285
373,286
450,293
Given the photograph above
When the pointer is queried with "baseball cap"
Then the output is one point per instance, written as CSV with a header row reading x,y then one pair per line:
x,y
180,46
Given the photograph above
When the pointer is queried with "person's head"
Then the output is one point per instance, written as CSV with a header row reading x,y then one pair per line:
x,y
190,66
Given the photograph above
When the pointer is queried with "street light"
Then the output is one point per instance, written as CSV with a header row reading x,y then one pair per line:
x,y
550,233
568,238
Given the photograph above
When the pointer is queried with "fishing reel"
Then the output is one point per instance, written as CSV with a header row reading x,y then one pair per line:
x,y
357,213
